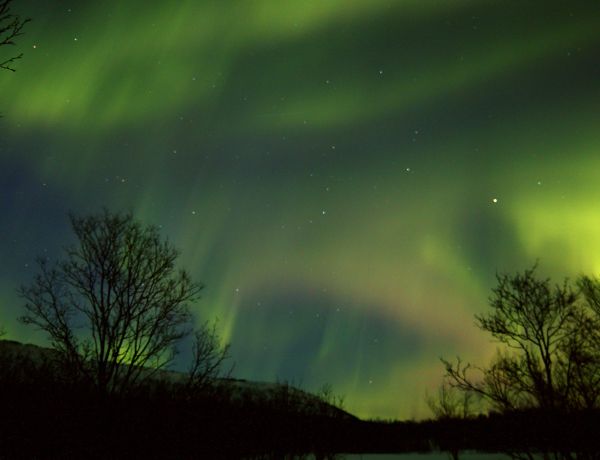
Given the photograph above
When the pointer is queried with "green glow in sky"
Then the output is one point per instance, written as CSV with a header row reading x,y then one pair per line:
x,y
345,177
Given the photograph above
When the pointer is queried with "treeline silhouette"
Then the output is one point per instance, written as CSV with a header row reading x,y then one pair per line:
x,y
520,434
45,415
543,384
48,416
115,309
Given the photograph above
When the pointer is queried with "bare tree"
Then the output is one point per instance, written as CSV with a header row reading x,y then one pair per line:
x,y
115,307
549,361
332,402
451,403
11,26
534,320
583,348
208,357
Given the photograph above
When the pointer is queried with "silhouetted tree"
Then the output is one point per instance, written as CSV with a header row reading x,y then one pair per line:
x,y
208,357
535,320
550,362
583,348
11,26
333,403
449,402
115,307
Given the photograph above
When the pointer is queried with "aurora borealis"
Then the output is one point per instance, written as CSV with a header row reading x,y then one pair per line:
x,y
345,177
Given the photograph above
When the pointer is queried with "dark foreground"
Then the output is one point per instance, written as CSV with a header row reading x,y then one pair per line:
x,y
45,415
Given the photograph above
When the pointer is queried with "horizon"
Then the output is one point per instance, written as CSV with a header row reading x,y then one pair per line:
x,y
346,178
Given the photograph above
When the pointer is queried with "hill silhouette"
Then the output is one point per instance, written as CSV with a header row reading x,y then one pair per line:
x,y
49,415
237,391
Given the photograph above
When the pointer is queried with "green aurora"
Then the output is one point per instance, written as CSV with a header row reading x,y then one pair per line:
x,y
346,177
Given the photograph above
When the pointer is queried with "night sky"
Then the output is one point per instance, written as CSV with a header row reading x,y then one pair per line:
x,y
345,176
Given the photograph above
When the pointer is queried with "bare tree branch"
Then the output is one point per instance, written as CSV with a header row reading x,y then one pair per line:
x,y
116,306
11,26
208,357
451,402
550,355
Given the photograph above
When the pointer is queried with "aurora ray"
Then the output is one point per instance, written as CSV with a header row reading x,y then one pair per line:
x,y
345,177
